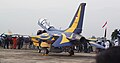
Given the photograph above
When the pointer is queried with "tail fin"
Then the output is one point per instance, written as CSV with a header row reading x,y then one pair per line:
x,y
77,22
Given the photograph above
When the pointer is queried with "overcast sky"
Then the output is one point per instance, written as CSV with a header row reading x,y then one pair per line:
x,y
21,16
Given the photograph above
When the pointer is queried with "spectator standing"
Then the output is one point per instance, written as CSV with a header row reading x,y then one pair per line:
x,y
118,37
20,42
14,42
116,42
6,43
107,44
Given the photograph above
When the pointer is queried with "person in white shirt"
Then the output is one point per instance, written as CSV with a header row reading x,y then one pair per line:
x,y
107,44
116,43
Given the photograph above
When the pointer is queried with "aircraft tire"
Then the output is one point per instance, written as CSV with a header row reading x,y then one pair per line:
x,y
39,51
71,52
44,51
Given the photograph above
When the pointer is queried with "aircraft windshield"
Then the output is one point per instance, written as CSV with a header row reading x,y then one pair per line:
x,y
44,22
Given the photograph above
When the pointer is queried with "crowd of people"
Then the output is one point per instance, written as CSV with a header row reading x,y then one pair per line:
x,y
115,41
15,41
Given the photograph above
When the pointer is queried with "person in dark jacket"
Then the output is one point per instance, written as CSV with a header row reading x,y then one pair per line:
x,y
20,42
6,43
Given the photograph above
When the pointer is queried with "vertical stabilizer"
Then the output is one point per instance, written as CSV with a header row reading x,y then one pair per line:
x,y
77,22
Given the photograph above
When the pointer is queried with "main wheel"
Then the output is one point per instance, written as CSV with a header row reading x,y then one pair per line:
x,y
44,51
71,52
39,50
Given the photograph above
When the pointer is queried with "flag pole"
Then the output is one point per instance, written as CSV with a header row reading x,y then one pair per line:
x,y
105,32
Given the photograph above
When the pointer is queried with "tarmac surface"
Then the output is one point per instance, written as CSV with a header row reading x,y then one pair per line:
x,y
32,56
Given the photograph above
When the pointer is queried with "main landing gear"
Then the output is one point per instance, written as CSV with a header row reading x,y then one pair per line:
x,y
71,52
44,51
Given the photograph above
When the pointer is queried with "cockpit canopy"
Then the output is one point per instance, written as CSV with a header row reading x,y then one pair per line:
x,y
44,22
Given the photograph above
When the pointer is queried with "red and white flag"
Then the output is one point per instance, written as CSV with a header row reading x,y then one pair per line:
x,y
104,24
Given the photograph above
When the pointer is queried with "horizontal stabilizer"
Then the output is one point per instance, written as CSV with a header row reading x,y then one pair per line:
x,y
96,45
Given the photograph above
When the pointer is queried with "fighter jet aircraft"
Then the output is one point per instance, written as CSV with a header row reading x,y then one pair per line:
x,y
68,38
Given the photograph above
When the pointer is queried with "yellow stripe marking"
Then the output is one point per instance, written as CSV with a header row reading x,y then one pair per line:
x,y
64,39
74,25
